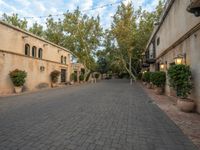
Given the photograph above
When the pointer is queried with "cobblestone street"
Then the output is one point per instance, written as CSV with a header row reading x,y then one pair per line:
x,y
109,115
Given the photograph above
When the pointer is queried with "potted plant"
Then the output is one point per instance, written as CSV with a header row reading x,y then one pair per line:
x,y
180,80
139,76
158,79
18,79
81,78
146,77
73,78
54,77
96,75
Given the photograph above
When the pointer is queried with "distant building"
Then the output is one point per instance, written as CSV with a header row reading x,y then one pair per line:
x,y
177,34
22,50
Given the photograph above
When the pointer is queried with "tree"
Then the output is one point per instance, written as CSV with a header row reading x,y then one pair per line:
x,y
37,29
54,31
83,35
123,29
15,20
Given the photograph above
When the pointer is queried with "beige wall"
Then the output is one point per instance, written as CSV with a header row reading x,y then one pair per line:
x,y
12,57
176,25
191,47
177,22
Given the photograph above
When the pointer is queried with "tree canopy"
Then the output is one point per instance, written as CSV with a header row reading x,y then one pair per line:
x,y
117,49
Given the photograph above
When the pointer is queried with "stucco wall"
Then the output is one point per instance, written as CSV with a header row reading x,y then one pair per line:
x,y
12,40
177,22
191,47
35,76
12,56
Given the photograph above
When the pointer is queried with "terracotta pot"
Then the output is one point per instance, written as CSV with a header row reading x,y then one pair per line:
x,y
71,82
54,85
144,83
149,86
185,105
18,89
158,90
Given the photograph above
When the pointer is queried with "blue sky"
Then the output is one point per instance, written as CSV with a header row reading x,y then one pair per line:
x,y
35,8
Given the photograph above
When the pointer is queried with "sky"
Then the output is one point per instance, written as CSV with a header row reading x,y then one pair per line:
x,y
37,8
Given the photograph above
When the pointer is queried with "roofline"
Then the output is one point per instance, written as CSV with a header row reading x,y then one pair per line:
x,y
163,16
35,36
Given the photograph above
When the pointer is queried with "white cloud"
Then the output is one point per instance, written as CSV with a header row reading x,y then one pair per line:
x,y
37,8
25,3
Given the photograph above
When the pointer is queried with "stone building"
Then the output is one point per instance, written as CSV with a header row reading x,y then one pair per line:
x,y
177,34
22,50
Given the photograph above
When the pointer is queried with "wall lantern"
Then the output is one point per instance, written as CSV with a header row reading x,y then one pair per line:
x,y
144,71
179,59
162,66
42,68
25,36
45,45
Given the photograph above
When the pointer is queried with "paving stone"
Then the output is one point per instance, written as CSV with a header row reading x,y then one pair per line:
x,y
109,115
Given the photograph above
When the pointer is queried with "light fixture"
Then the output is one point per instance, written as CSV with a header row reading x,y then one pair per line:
x,y
59,50
162,66
45,45
25,36
179,59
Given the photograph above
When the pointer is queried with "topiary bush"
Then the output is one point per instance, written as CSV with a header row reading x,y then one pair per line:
x,y
96,75
54,76
158,78
18,77
180,80
73,77
139,76
146,77
81,77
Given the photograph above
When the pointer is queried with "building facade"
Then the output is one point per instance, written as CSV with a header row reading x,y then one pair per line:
x,y
22,50
177,34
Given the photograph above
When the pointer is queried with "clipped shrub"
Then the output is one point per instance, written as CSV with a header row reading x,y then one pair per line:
x,y
18,77
96,75
146,77
180,80
54,76
158,78
139,76
81,77
73,77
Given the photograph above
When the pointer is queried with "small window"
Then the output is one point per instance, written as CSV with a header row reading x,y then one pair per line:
x,y
65,60
27,49
34,51
158,41
40,53
61,60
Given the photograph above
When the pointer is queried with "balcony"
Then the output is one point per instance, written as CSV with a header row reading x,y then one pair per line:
x,y
194,7
150,60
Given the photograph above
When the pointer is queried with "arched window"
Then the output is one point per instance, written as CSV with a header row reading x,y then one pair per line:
x,y
65,60
34,51
27,49
61,59
40,53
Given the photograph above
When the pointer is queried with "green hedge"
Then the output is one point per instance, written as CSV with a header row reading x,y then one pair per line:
x,y
180,79
146,77
158,78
